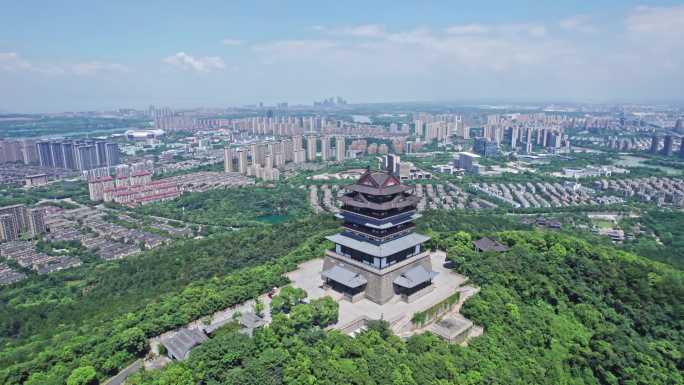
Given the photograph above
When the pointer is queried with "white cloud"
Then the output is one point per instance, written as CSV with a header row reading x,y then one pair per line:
x,y
467,29
578,23
528,29
294,48
364,30
657,34
531,29
232,42
660,22
420,51
11,61
356,31
96,67
200,64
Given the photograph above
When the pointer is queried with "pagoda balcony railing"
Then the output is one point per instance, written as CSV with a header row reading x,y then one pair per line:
x,y
384,270
378,216
385,238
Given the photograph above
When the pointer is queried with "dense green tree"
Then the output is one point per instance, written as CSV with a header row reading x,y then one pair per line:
x,y
287,298
555,309
84,375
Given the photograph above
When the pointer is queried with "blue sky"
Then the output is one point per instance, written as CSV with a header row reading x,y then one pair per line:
x,y
82,55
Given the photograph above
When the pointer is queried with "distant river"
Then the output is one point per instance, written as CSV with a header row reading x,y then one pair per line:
x,y
637,161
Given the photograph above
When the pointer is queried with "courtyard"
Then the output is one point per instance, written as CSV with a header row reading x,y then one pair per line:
x,y
352,316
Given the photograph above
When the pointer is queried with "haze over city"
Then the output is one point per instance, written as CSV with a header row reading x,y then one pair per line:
x,y
96,55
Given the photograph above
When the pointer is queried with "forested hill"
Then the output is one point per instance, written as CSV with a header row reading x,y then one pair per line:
x,y
556,310
100,316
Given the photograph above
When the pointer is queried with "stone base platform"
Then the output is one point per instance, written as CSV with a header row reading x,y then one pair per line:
x,y
380,287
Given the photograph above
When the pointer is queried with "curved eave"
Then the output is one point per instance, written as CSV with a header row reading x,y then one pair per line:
x,y
378,191
395,204
383,250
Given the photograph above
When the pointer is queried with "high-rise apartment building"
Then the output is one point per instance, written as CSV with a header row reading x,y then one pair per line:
x,y
113,156
101,153
16,219
69,156
18,212
485,147
418,127
311,148
325,148
288,150
297,141
463,131
668,144
9,229
299,156
10,151
340,149
75,155
242,161
228,159
29,151
45,154
36,221
655,144
57,155
86,157
255,150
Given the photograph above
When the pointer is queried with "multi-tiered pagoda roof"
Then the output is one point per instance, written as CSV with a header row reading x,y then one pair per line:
x,y
378,235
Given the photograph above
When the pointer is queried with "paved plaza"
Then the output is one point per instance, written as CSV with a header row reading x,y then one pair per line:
x,y
397,312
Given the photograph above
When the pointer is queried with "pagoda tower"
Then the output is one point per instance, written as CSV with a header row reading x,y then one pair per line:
x,y
378,255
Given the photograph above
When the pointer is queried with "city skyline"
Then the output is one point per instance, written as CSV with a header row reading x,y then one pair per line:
x,y
102,56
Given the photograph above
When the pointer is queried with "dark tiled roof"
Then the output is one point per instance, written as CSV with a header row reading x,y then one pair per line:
x,y
384,250
346,277
378,183
486,244
414,277
179,345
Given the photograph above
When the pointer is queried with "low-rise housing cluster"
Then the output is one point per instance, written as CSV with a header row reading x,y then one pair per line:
x,y
9,276
431,196
591,172
20,174
107,240
324,198
447,196
132,190
208,180
124,234
538,194
26,255
139,188
659,190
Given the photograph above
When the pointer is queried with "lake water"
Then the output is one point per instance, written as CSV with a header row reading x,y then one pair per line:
x,y
637,161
